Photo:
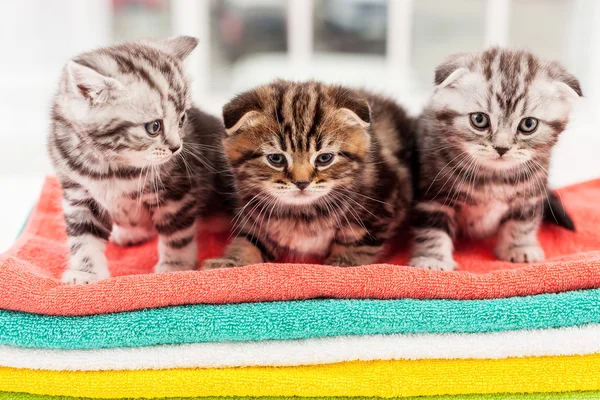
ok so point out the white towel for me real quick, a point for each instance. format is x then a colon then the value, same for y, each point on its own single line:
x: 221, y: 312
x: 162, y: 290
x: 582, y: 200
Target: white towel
x: 548, y: 342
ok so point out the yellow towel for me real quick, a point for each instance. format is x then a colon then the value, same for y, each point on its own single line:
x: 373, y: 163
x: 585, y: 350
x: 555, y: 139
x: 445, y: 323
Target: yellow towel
x: 375, y: 378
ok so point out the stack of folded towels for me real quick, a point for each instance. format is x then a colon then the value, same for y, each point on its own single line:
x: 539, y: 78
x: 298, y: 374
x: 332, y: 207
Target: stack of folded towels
x: 492, y: 330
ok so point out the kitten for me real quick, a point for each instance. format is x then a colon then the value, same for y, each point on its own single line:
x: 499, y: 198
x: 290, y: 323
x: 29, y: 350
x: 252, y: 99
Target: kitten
x: 134, y: 158
x: 322, y: 171
x: 485, y: 140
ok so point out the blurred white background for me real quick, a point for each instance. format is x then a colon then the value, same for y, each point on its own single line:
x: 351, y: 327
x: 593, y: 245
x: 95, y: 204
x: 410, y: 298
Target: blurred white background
x: 387, y: 45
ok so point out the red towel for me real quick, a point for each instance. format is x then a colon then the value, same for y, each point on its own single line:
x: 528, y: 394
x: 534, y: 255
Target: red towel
x: 29, y: 271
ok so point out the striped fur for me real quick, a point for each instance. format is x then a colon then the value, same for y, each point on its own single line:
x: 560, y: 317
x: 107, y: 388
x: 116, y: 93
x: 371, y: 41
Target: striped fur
x: 119, y: 181
x: 491, y: 181
x: 343, y: 210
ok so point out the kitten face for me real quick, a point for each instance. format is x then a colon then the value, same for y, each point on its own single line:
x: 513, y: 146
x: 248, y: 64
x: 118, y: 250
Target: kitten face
x: 501, y: 109
x: 128, y: 103
x: 294, y: 144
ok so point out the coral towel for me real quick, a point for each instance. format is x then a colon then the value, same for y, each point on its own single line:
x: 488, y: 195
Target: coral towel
x: 29, y: 271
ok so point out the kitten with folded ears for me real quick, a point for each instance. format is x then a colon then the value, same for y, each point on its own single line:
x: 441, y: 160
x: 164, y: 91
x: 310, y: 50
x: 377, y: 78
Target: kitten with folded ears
x: 485, y: 141
x: 321, y: 171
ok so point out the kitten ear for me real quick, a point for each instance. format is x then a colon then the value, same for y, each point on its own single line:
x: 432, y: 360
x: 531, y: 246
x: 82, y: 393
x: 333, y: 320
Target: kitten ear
x: 356, y: 108
x: 90, y: 84
x: 360, y: 116
x: 453, y: 77
x: 574, y: 84
x: 570, y: 84
x: 450, y: 70
x: 180, y: 46
x: 240, y: 111
x: 567, y: 82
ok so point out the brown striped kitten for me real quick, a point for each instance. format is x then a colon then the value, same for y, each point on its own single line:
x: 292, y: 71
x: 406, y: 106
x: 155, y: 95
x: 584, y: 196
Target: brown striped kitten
x: 323, y: 172
x: 135, y: 159
x: 485, y: 141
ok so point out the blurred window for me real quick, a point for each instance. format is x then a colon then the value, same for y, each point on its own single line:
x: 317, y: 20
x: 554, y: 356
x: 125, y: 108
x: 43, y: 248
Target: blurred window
x: 351, y: 26
x: 135, y: 19
x: 248, y: 39
x: 441, y: 28
x: 542, y: 26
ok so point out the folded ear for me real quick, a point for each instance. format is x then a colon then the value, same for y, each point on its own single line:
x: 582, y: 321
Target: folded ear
x: 89, y: 84
x: 567, y: 83
x: 241, y: 111
x: 450, y: 70
x: 180, y: 46
x: 573, y: 83
x: 355, y: 107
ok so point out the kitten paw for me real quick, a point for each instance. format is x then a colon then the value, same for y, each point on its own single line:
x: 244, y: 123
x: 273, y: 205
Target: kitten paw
x: 131, y: 236
x: 344, y: 260
x: 173, y: 266
x: 216, y: 263
x: 521, y: 254
x: 76, y: 277
x: 433, y: 263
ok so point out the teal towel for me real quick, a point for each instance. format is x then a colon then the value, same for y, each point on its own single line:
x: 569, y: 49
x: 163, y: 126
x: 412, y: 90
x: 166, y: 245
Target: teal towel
x: 297, y: 320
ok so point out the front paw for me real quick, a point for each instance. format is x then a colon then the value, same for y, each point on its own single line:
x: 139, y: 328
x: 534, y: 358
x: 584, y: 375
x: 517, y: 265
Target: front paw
x: 131, y: 236
x: 433, y: 263
x: 521, y: 254
x: 217, y: 263
x: 174, y: 266
x: 347, y: 260
x: 76, y: 277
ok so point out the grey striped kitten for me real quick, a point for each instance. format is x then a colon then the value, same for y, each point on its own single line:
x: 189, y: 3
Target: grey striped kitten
x: 134, y: 158
x: 485, y: 141
x: 322, y: 171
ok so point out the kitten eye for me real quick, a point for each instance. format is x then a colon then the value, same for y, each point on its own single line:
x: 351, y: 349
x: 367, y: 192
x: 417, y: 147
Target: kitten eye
x: 277, y: 160
x: 479, y: 120
x: 182, y: 120
x: 324, y: 159
x: 528, y: 125
x: 153, y: 128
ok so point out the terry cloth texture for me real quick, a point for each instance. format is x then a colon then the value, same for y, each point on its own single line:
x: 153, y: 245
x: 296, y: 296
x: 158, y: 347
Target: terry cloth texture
x: 357, y: 378
x: 298, y: 320
x: 29, y: 271
x: 545, y: 342
x: 499, y: 396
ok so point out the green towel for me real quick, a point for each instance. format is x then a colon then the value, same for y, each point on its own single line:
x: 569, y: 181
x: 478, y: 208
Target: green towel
x: 297, y: 320
x: 525, y: 396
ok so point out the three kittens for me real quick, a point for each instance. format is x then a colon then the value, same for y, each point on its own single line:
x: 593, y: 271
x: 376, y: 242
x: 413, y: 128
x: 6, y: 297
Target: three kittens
x: 317, y: 170
x: 485, y: 140
x: 134, y: 158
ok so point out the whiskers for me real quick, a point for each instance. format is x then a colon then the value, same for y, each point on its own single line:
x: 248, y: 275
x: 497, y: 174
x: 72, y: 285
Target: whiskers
x: 195, y: 153
x: 261, y: 203
x: 157, y: 183
x: 537, y: 173
x: 150, y: 183
x: 463, y: 156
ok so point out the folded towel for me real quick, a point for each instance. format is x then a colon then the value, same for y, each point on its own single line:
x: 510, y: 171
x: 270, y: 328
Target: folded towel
x: 298, y: 320
x: 357, y: 378
x: 29, y: 271
x: 500, y: 396
x: 545, y: 342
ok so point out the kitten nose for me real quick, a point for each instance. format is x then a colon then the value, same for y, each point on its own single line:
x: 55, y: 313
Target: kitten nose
x: 501, y: 150
x: 174, y: 148
x: 302, y: 184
